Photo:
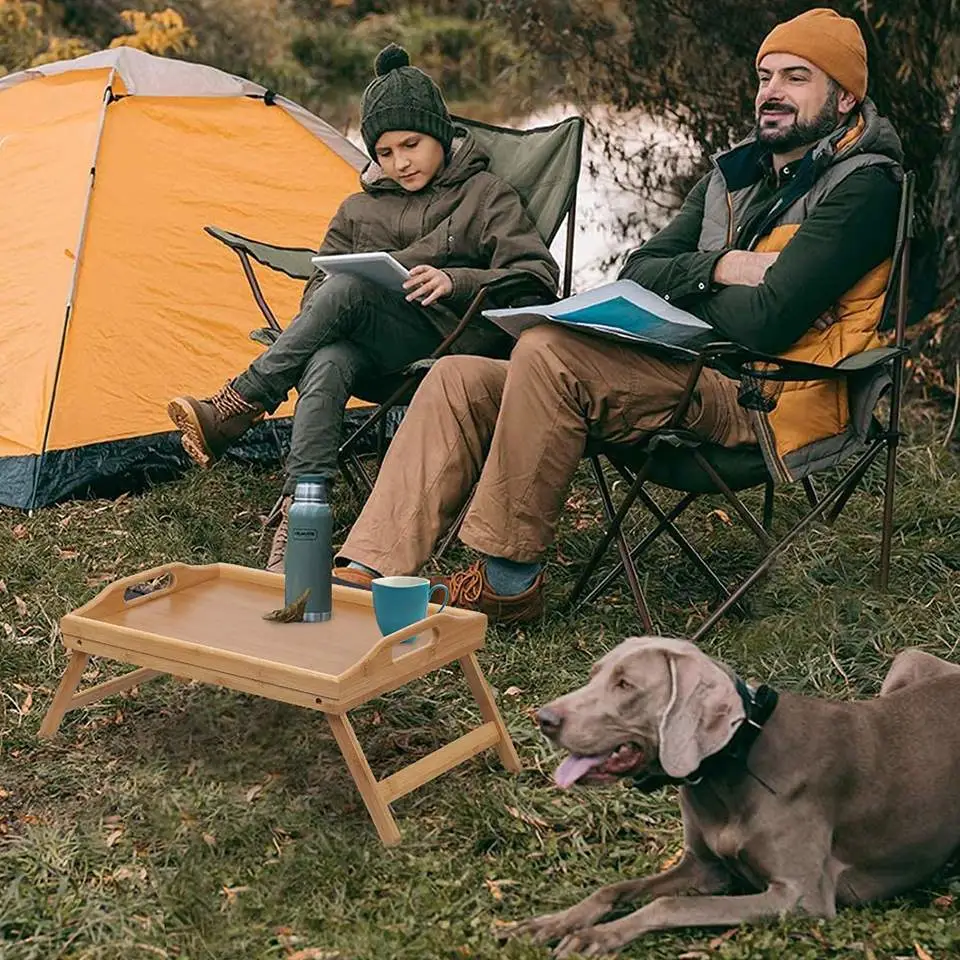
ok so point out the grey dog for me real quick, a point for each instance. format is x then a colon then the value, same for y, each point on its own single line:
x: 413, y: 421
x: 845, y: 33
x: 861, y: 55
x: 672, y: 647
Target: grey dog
x: 805, y: 804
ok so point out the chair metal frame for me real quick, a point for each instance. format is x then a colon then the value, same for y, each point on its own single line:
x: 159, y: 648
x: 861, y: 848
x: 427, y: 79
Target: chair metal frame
x: 735, y: 359
x: 296, y: 263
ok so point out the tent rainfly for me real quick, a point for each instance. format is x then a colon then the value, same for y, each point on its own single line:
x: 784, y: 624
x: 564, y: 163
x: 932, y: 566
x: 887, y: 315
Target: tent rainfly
x: 113, y: 297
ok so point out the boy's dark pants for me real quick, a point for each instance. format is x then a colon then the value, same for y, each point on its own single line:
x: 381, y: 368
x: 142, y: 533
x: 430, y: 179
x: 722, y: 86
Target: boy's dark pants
x: 349, y: 330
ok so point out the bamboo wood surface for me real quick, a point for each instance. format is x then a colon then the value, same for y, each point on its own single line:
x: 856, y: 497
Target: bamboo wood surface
x: 206, y: 623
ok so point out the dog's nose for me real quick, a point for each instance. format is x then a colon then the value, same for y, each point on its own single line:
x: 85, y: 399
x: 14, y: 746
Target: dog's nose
x: 550, y: 720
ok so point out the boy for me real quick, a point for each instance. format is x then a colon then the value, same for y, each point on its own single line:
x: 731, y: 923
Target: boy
x: 428, y: 199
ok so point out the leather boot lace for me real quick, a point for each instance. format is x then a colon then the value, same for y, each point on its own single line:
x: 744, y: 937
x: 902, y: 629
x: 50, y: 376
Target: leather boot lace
x: 466, y: 585
x: 228, y: 402
x: 278, y: 548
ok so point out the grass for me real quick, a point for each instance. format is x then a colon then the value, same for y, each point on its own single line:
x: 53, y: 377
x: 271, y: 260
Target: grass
x: 186, y: 821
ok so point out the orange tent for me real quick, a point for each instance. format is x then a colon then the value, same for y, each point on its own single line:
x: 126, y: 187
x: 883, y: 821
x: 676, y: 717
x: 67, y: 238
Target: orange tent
x: 113, y: 298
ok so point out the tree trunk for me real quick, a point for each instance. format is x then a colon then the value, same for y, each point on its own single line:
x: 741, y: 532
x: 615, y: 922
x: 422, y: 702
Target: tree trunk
x: 947, y: 210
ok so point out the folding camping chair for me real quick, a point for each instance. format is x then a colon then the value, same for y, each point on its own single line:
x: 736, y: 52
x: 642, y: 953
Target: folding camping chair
x: 542, y: 165
x: 680, y: 461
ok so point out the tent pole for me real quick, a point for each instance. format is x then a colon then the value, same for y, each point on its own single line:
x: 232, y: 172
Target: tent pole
x: 74, y: 277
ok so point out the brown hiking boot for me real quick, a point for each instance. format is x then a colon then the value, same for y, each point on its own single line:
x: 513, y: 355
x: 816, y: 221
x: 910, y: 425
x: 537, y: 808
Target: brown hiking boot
x: 470, y: 590
x: 207, y: 427
x: 352, y: 577
x: 278, y: 549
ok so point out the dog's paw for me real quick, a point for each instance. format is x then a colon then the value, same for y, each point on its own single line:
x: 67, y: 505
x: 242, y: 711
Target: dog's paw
x: 543, y: 929
x: 602, y: 941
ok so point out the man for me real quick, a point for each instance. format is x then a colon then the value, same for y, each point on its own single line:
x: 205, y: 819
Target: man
x: 783, y: 247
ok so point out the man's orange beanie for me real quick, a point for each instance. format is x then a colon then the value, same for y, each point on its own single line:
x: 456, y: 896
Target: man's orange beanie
x: 829, y: 41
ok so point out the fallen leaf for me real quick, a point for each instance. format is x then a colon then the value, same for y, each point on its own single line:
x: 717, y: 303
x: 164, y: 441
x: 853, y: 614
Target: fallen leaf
x: 114, y: 836
x: 693, y: 955
x: 717, y: 942
x: 671, y: 861
x: 253, y: 792
x: 527, y: 818
x: 314, y: 953
x: 3, y: 586
x: 494, y: 887
x: 921, y: 953
x: 721, y: 515
x: 292, y: 612
x: 126, y: 873
x: 21, y: 605
x: 209, y: 839
x: 817, y: 935
x: 68, y: 554
x: 24, y: 707
x: 4, y: 794
x: 512, y: 692
x: 20, y: 531
x: 231, y: 893
x: 945, y: 902
x: 8, y: 630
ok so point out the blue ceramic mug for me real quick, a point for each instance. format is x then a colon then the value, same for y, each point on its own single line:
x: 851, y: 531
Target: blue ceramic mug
x: 400, y: 601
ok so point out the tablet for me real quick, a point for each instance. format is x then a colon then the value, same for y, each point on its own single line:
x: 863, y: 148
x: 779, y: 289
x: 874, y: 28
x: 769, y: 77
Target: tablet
x: 379, y: 267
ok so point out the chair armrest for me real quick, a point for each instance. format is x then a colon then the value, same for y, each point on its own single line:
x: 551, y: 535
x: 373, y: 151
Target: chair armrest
x: 737, y: 361
x: 295, y: 262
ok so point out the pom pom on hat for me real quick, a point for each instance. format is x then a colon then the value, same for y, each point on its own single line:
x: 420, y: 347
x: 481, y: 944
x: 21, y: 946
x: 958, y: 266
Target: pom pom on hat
x: 391, y: 57
x: 402, y: 97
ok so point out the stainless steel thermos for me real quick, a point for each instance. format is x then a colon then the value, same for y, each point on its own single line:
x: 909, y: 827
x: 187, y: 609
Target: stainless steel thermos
x: 308, y: 559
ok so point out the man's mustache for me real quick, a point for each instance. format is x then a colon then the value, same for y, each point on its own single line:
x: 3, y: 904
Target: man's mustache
x: 773, y: 106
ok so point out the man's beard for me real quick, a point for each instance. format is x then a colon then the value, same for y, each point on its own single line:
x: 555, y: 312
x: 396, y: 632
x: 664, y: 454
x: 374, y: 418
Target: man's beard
x: 802, y: 132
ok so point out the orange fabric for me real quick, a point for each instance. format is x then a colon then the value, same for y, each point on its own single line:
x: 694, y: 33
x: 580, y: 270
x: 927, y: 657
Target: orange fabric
x: 816, y: 409
x: 162, y: 308
x: 48, y: 130
x: 827, y: 40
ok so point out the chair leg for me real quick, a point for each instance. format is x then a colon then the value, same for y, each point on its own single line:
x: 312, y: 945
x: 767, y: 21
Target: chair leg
x: 675, y: 511
x: 626, y: 560
x: 451, y: 534
x: 822, y: 506
x: 837, y: 508
x: 684, y: 544
x: 738, y: 505
x: 810, y: 490
x: 768, y: 505
x: 888, y: 499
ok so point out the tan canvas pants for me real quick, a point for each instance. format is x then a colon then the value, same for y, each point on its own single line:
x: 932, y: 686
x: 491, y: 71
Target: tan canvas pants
x: 517, y: 429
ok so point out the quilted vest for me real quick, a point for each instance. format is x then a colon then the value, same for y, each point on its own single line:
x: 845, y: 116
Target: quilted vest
x: 810, y: 426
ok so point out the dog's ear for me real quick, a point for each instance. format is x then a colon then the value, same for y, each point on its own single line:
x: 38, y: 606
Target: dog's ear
x: 702, y: 712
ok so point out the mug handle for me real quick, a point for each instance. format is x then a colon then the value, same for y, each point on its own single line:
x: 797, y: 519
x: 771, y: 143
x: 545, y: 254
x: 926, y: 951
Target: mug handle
x: 446, y: 594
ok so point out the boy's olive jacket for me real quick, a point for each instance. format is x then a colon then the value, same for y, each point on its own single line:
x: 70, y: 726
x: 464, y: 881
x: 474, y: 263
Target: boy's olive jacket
x: 468, y: 222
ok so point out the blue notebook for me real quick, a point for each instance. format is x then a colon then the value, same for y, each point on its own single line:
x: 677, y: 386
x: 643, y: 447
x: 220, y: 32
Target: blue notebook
x: 622, y: 310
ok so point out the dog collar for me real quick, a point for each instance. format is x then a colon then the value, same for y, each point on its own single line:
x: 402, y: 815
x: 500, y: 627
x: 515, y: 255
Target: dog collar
x: 758, y: 707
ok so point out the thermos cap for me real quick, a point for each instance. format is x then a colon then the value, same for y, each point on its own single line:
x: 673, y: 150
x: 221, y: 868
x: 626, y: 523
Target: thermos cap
x: 312, y: 488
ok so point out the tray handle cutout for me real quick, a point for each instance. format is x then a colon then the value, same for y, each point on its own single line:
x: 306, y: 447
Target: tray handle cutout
x: 381, y: 657
x: 147, y: 585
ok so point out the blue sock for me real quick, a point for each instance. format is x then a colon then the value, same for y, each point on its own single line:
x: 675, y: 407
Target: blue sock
x: 353, y: 565
x: 507, y: 578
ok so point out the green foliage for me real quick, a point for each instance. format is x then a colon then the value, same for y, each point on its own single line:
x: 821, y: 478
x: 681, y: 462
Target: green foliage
x: 184, y: 820
x: 21, y: 34
x: 691, y: 64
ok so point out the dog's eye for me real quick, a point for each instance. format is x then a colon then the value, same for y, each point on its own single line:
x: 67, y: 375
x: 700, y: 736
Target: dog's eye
x: 622, y: 683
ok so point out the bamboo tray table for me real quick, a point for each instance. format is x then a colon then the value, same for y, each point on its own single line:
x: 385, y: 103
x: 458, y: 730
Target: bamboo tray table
x: 206, y: 623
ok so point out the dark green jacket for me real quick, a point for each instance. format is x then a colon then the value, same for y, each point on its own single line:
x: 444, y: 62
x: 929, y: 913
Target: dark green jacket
x: 847, y: 234
x: 468, y: 222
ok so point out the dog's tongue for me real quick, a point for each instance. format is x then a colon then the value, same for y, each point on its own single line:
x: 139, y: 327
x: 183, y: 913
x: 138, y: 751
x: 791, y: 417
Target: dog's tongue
x: 574, y: 767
